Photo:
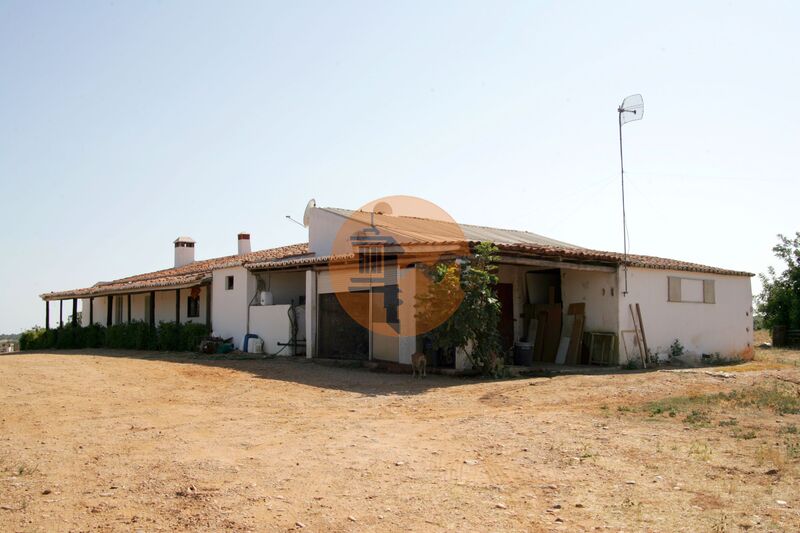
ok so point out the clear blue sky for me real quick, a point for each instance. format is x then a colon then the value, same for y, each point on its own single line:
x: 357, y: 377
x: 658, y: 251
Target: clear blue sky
x: 126, y: 124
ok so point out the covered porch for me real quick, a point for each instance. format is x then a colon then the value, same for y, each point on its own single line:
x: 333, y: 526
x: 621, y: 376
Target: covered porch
x: 557, y: 313
x: 180, y: 302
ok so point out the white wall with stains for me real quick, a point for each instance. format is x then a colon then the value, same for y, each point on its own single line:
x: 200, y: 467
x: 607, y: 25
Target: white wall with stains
x: 724, y: 327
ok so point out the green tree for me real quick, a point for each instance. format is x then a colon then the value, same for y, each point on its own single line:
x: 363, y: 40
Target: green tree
x: 464, y: 291
x: 779, y: 301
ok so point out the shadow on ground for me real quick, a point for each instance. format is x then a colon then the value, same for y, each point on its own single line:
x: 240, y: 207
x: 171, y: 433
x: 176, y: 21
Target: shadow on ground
x: 344, y: 375
x: 351, y: 377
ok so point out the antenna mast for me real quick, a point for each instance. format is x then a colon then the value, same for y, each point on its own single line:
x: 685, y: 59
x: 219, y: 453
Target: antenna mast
x: 632, y: 108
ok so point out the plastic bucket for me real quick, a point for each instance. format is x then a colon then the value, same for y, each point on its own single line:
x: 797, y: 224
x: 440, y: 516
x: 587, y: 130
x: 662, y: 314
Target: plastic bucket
x: 523, y: 354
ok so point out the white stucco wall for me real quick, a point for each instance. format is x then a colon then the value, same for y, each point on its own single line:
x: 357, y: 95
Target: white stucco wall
x: 84, y: 304
x: 139, y: 307
x: 407, y: 342
x: 98, y: 310
x: 598, y: 290
x: 165, y: 307
x: 284, y: 286
x: 201, y: 319
x: 229, y: 307
x: 311, y: 313
x: 322, y: 228
x: 725, y: 326
x: 271, y: 323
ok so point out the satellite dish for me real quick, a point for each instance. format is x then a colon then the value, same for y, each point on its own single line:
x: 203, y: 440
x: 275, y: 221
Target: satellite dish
x: 632, y: 108
x: 307, y: 213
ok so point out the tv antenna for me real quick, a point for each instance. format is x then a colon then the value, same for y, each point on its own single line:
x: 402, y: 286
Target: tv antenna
x: 289, y: 217
x: 631, y: 108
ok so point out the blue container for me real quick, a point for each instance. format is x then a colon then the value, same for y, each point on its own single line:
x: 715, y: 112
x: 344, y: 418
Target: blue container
x: 246, y: 341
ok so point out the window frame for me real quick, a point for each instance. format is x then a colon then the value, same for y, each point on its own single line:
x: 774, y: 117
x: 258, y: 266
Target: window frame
x: 192, y: 307
x: 675, y: 290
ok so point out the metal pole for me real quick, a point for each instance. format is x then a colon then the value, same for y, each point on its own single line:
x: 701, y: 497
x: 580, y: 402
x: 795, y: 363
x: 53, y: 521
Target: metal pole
x: 624, y: 223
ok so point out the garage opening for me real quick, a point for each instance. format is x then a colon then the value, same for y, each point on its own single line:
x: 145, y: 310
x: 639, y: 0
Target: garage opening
x: 340, y: 335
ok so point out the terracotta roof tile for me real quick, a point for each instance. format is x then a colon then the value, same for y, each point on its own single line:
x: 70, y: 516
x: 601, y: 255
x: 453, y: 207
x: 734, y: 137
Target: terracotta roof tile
x: 560, y: 253
x: 616, y: 258
x: 192, y: 273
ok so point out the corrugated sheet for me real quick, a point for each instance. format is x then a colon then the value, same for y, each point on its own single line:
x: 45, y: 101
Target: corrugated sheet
x: 425, y: 229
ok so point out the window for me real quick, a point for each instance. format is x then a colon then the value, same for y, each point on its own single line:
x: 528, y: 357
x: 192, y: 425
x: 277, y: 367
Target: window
x: 192, y: 307
x: 690, y: 290
x: 118, y: 310
x: 228, y: 283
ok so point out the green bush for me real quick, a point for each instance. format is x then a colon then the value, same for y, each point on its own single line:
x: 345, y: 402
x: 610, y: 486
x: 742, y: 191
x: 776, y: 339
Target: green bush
x: 191, y: 335
x: 169, y: 336
x: 137, y: 335
x: 37, y: 339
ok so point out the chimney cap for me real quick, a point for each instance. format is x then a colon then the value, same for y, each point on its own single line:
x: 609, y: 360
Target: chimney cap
x: 183, y: 241
x: 243, y: 236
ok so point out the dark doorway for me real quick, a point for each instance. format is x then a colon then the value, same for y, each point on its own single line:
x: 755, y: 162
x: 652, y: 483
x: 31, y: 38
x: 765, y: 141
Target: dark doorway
x: 340, y: 336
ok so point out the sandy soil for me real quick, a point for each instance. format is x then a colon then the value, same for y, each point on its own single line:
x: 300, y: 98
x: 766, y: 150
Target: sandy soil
x: 102, y: 441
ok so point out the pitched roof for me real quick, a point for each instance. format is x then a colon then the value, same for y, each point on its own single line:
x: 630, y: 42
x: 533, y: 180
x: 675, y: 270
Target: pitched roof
x: 191, y: 274
x: 426, y: 229
x: 616, y: 258
x: 421, y: 231
x: 418, y: 231
x: 551, y: 253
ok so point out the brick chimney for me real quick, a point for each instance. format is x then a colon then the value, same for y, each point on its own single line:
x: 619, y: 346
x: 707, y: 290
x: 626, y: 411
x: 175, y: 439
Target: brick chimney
x: 184, y: 251
x: 244, y: 243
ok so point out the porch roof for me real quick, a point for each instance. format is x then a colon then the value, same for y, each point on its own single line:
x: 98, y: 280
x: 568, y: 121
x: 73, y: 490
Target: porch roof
x: 196, y: 273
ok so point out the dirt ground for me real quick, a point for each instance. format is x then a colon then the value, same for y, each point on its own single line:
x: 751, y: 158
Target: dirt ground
x: 122, y: 441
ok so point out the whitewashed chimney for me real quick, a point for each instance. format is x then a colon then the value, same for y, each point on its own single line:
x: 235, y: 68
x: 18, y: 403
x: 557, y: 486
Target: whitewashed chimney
x: 184, y: 251
x: 244, y: 243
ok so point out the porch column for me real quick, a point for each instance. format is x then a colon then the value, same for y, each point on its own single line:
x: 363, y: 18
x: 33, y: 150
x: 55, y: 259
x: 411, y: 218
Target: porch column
x: 91, y: 310
x: 129, y: 308
x: 109, y: 305
x: 407, y: 340
x: 74, y: 311
x: 61, y: 313
x: 152, y: 309
x: 177, y: 306
x: 311, y: 313
x: 208, y: 309
x: 47, y: 314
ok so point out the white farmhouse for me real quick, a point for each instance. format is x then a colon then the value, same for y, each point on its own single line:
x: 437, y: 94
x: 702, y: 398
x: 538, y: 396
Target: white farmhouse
x: 335, y: 298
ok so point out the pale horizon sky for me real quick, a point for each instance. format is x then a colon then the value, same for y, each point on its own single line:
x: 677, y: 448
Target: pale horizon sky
x: 126, y: 124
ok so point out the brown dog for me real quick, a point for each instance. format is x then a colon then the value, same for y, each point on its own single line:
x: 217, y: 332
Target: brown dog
x: 419, y: 364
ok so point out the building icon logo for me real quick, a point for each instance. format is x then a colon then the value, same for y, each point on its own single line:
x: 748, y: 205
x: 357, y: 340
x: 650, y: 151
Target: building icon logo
x: 382, y: 260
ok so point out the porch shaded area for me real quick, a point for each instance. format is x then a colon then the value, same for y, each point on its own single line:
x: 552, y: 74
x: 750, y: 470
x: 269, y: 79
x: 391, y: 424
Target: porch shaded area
x: 180, y: 302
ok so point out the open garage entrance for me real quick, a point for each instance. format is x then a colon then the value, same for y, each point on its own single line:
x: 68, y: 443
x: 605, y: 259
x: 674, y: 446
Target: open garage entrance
x: 340, y: 336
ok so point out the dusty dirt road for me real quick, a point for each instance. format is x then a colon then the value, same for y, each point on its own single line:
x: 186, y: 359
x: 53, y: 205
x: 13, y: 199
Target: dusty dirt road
x: 98, y: 441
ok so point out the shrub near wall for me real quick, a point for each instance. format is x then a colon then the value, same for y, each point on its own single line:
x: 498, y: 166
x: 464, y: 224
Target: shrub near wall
x: 137, y: 335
